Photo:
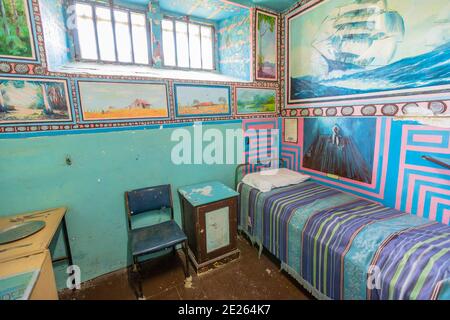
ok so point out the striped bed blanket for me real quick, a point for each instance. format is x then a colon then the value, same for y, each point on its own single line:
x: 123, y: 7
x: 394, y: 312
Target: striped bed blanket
x: 340, y: 246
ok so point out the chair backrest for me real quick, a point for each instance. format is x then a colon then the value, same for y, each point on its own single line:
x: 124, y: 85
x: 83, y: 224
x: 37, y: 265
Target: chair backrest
x: 149, y: 199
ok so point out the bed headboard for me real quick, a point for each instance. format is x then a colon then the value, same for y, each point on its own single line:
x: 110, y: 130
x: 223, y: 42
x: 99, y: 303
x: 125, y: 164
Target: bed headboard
x: 247, y: 168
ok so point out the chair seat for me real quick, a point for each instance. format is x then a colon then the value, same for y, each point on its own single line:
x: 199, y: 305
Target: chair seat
x: 155, y: 238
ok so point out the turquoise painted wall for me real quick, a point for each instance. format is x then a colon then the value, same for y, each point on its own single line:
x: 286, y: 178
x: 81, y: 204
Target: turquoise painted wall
x: 34, y: 175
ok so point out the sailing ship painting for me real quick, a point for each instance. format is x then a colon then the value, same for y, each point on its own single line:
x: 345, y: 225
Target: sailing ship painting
x: 33, y: 100
x: 366, y: 47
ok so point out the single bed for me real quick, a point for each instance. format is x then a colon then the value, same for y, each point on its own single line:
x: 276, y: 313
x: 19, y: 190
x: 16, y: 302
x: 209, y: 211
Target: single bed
x: 339, y: 246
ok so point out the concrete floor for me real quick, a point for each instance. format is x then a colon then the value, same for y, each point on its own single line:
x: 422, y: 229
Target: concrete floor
x: 247, y: 278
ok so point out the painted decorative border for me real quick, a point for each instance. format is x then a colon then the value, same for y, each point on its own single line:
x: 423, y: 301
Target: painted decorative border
x: 80, y: 106
x: 421, y: 184
x: 187, y: 85
x: 439, y: 108
x: 257, y: 12
x: 68, y: 97
x: 277, y: 102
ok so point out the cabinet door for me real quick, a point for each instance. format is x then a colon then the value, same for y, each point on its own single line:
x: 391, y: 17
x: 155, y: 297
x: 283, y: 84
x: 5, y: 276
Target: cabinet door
x: 218, y: 224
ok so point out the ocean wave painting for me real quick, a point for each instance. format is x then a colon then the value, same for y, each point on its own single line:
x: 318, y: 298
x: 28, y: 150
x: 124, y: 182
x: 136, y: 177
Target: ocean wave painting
x: 366, y: 47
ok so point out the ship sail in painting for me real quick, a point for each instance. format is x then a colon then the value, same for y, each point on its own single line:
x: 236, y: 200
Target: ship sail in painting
x: 368, y: 47
x: 362, y: 34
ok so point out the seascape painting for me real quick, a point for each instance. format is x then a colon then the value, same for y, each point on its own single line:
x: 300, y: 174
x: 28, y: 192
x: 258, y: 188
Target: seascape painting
x: 122, y: 101
x: 266, y: 48
x: 16, y: 39
x: 33, y: 100
x: 343, y: 147
x: 363, y: 48
x: 252, y: 100
x: 200, y: 100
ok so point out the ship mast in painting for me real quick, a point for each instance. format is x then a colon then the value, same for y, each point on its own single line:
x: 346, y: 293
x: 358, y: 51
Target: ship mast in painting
x: 364, y: 34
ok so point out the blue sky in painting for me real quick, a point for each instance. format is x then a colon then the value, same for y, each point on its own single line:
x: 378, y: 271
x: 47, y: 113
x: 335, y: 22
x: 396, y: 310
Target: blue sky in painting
x: 96, y: 96
x: 187, y: 94
x: 267, y: 43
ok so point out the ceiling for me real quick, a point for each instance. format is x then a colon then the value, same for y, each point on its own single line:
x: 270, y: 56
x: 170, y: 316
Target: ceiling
x: 213, y: 9
x: 277, y: 5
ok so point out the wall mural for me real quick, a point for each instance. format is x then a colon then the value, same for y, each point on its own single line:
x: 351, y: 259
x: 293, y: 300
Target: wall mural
x: 119, y: 100
x: 343, y: 147
x: 266, y: 49
x: 16, y: 37
x: 201, y: 100
x: 234, y: 46
x: 402, y: 177
x: 255, y: 100
x: 33, y: 100
x: 365, y: 47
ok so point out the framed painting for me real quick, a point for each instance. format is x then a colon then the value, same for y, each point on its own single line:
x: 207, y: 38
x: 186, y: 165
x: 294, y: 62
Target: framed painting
x: 202, y: 100
x: 100, y: 100
x: 343, y: 147
x: 16, y: 34
x: 347, y: 49
x: 255, y: 100
x: 266, y: 46
x: 291, y: 130
x: 32, y: 100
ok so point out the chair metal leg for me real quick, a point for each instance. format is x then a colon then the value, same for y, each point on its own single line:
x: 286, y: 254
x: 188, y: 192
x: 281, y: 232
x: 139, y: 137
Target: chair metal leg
x: 136, y: 270
x: 186, y: 271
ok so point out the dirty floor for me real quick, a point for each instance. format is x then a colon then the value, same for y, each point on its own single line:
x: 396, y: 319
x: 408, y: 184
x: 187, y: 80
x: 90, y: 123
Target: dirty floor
x: 247, y: 278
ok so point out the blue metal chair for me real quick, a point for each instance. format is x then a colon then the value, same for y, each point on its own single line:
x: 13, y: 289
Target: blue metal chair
x: 151, y: 239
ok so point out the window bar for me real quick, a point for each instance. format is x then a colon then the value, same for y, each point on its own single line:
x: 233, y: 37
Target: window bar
x: 148, y: 29
x: 113, y: 22
x: 174, y: 31
x: 201, y: 46
x: 75, y: 36
x: 213, y: 47
x: 130, y: 29
x: 188, y: 23
x: 94, y: 16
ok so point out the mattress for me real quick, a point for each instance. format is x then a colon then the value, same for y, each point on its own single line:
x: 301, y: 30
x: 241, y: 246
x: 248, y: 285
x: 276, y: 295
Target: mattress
x: 340, y: 246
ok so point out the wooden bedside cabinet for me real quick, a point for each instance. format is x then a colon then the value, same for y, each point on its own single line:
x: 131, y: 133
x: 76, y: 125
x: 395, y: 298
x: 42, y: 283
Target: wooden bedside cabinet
x: 210, y: 223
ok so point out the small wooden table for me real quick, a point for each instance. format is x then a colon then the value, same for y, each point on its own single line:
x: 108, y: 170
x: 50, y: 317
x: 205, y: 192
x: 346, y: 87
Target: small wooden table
x: 45, y: 287
x: 33, y: 250
x: 210, y: 223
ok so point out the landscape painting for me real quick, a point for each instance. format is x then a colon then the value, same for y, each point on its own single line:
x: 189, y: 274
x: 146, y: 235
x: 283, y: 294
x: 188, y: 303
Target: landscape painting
x: 33, y: 100
x: 367, y: 48
x: 343, y: 147
x: 16, y: 40
x: 122, y: 101
x: 252, y: 100
x: 266, y: 46
x: 200, y: 100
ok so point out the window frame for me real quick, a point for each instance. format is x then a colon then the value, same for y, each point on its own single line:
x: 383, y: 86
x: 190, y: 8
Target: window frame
x: 94, y: 4
x: 200, y: 24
